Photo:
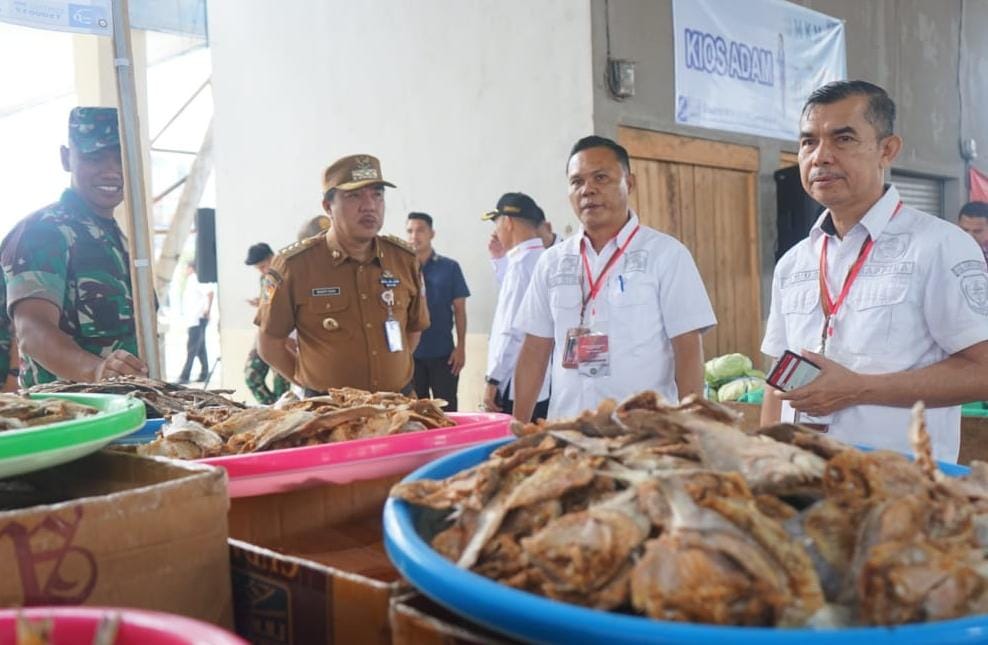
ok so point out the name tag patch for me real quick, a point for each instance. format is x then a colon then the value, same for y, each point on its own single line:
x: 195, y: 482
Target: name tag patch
x: 895, y: 268
x: 800, y: 276
x: 326, y: 291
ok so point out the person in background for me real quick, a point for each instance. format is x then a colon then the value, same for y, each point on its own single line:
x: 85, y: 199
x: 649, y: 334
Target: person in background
x: 314, y: 226
x: 437, y: 360
x: 256, y: 370
x: 67, y: 267
x: 890, y: 302
x: 517, y: 220
x: 973, y: 218
x: 622, y: 304
x: 497, y: 251
x: 197, y: 303
x: 356, y: 298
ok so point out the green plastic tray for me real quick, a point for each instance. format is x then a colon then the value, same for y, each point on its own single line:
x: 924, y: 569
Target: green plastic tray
x: 31, y: 449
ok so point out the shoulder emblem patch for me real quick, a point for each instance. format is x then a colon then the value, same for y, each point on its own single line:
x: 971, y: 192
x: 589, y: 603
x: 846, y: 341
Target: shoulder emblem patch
x: 400, y: 243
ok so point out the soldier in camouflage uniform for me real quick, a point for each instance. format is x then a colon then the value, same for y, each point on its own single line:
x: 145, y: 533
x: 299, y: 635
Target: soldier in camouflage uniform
x: 67, y: 268
x: 8, y: 345
x: 256, y: 370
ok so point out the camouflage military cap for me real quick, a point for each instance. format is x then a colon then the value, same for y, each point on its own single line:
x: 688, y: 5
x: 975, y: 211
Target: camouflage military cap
x: 353, y: 172
x: 93, y: 128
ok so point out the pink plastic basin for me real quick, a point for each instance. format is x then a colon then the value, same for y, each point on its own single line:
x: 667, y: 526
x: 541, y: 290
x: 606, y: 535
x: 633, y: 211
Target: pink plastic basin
x: 276, y: 471
x: 77, y: 626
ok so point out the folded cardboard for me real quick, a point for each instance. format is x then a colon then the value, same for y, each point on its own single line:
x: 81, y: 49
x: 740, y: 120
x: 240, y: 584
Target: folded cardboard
x: 417, y: 620
x: 115, y: 529
x: 309, y: 565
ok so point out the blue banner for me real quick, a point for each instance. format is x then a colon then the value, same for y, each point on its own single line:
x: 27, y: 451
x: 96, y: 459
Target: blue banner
x: 749, y: 66
x: 184, y: 17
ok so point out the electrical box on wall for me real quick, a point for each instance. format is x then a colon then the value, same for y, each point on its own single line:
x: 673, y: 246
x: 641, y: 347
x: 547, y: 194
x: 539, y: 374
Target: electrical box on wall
x: 621, y: 77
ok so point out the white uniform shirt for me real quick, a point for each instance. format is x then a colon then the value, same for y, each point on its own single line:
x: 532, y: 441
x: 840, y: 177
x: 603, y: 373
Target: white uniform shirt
x: 921, y: 296
x: 505, y: 341
x: 652, y: 294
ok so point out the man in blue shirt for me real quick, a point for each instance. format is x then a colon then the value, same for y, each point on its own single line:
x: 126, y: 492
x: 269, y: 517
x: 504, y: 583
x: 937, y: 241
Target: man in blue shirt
x: 437, y: 361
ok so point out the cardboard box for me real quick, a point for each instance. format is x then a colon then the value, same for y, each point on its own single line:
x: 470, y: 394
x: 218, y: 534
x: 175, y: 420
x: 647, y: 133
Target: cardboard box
x: 417, y: 620
x: 118, y: 530
x: 309, y: 565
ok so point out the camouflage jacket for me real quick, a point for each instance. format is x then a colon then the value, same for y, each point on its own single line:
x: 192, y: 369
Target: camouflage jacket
x: 77, y: 260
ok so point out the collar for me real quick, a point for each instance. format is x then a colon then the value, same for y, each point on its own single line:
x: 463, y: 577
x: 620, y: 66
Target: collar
x: 338, y: 254
x: 520, y: 250
x: 76, y: 207
x: 619, y: 239
x: 874, y: 221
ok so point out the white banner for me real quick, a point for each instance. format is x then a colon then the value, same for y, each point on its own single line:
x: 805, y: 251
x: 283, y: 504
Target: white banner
x: 80, y: 16
x: 749, y: 66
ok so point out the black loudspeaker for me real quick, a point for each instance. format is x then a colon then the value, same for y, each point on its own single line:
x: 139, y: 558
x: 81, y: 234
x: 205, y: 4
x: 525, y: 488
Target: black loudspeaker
x: 206, y: 244
x: 796, y: 211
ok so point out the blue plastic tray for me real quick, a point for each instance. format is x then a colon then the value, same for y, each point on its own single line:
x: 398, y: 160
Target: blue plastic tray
x: 144, y: 434
x: 529, y: 617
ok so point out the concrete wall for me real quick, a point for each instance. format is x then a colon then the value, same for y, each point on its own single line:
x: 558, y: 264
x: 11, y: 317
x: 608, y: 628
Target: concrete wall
x: 462, y: 101
x: 910, y: 47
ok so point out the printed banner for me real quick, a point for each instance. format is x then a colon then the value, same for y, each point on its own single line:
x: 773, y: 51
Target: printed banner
x: 749, y: 66
x: 81, y: 16
x: 183, y: 17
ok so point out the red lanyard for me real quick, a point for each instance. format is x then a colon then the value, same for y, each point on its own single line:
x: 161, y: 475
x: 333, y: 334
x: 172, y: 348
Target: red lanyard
x: 595, y: 285
x: 829, y: 305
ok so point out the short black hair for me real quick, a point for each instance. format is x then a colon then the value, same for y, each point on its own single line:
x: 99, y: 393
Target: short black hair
x: 975, y: 209
x: 258, y: 253
x: 425, y: 217
x: 594, y: 141
x: 881, y: 108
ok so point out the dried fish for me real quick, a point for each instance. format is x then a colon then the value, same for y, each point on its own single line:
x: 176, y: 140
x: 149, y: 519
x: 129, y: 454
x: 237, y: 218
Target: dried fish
x: 674, y: 512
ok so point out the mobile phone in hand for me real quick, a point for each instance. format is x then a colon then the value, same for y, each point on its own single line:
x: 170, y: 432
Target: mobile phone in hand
x: 791, y: 372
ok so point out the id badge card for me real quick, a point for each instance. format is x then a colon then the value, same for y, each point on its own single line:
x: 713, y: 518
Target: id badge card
x: 392, y: 331
x: 593, y: 355
x: 573, y: 335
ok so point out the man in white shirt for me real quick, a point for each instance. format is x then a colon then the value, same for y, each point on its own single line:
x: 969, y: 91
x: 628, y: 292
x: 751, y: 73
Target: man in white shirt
x: 517, y: 220
x: 623, y: 304
x: 890, y: 302
x: 499, y: 261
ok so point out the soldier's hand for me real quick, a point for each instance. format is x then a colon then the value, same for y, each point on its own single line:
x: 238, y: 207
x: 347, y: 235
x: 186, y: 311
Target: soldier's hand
x: 456, y: 361
x: 121, y: 363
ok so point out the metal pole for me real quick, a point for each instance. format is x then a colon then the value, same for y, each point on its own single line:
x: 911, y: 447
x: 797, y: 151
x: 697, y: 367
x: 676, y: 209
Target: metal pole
x: 141, y: 280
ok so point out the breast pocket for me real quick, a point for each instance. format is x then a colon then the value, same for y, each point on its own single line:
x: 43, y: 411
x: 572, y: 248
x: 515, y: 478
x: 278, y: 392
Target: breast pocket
x: 872, y: 303
x: 564, y: 296
x: 103, y: 308
x: 330, y: 314
x: 800, y: 308
x: 632, y: 291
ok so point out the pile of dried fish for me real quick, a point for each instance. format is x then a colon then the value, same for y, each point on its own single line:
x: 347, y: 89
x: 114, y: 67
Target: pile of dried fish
x: 19, y: 412
x: 161, y: 399
x: 675, y: 513
x: 340, y: 415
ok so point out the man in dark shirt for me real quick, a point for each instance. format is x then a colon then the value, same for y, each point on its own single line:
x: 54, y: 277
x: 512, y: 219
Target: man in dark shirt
x: 973, y: 219
x: 437, y: 361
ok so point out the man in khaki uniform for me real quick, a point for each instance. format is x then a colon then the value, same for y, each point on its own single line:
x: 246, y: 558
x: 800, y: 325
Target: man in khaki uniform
x: 355, y: 297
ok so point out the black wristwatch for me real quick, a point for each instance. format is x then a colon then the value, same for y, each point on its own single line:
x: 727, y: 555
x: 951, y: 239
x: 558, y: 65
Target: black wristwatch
x: 491, y: 381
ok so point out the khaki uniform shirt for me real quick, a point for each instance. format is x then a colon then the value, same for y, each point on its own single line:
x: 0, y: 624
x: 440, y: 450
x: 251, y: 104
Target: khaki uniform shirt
x: 335, y: 303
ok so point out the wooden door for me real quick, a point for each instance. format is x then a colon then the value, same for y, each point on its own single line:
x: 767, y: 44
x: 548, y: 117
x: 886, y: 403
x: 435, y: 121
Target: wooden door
x: 704, y: 194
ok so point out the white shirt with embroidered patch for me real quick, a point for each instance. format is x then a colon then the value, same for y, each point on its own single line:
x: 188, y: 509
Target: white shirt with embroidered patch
x: 921, y: 295
x: 505, y: 340
x: 651, y: 295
